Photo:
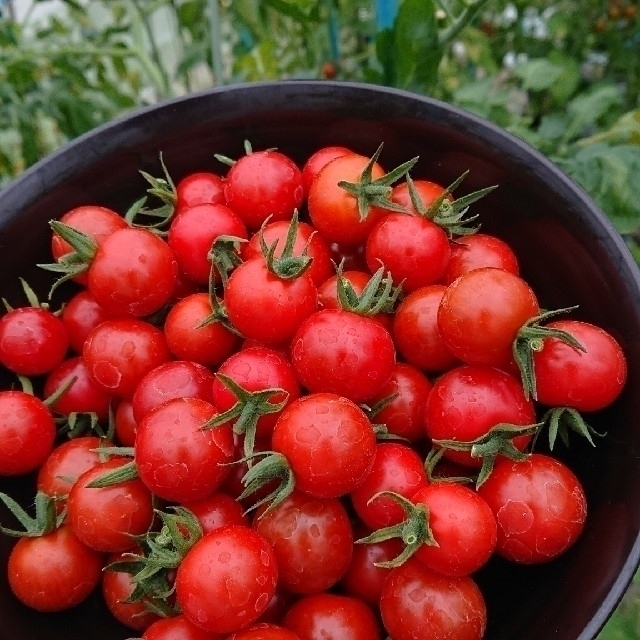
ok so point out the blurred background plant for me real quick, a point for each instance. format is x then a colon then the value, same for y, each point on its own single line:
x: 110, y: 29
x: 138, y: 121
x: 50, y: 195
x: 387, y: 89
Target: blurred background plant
x: 564, y: 75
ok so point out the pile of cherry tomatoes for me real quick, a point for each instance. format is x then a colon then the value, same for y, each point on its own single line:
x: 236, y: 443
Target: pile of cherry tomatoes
x: 294, y: 403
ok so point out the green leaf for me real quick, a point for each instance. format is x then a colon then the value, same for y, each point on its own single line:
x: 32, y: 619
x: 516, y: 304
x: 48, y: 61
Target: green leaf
x: 538, y: 74
x: 609, y: 174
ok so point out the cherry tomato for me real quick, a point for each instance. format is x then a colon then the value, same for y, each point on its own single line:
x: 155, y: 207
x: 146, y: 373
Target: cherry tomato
x: 476, y: 251
x: 312, y: 540
x: 480, y: 314
x: 332, y: 616
x: 264, y: 631
x: 226, y: 579
x: 27, y: 432
x: 107, y: 518
x: 342, y: 352
x: 428, y: 192
x: 587, y: 380
x: 119, y: 352
x: 217, y: 510
x: 53, y: 572
x: 176, y: 628
x: 417, y: 602
x: 134, y: 272
x: 33, y: 341
x: 80, y: 315
x: 264, y: 184
x: 467, y: 401
x: 539, y: 505
x: 317, y: 160
x: 176, y: 458
x: 199, y: 187
x: 319, y: 427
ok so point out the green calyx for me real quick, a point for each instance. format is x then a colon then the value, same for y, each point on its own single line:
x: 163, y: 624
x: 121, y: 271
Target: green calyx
x: 161, y: 552
x: 530, y: 338
x: 414, y: 530
x: 273, y: 466
x: 45, y: 520
x: 250, y: 406
x: 370, y: 192
x: 450, y: 215
x: 224, y: 256
x: 287, y: 265
x: 378, y: 296
x: 497, y: 441
x: 562, y: 421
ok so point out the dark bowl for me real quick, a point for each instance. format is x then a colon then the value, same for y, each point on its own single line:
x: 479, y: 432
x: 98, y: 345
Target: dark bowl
x: 568, y: 250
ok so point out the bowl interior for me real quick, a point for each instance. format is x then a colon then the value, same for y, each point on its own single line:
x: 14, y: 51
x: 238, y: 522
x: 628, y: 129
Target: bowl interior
x: 567, y: 249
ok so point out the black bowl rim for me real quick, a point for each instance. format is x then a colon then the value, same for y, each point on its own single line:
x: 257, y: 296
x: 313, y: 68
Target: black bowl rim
x: 61, y: 163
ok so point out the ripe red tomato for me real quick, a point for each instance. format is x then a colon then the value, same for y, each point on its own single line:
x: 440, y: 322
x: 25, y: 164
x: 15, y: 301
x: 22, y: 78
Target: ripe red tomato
x: 476, y: 251
x: 217, y: 510
x: 176, y: 458
x: 334, y: 211
x: 264, y: 631
x: 190, y: 337
x: 253, y: 291
x: 413, y: 249
x: 27, y: 432
x: 107, y: 518
x: 304, y: 532
x: 462, y: 525
x: 193, y: 232
x: 264, y: 184
x: 53, y: 572
x: 539, y: 505
x: 417, y: 602
x: 133, y: 272
x: 33, y: 341
x: 176, y: 628
x: 199, y: 187
x: 467, y: 401
x: 345, y: 353
x: 80, y: 315
x: 317, y: 160
x: 480, y: 314
x: 428, y: 192
x: 330, y: 615
x: 396, y: 467
x: 587, y: 380
x: 415, y: 330
x: 119, y: 352
x: 319, y: 427
x: 226, y: 579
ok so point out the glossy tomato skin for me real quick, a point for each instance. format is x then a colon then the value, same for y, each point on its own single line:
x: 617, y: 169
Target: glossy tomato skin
x: 124, y: 423
x: 540, y: 507
x: 586, y: 381
x: 476, y: 251
x: 33, y: 341
x: 413, y: 249
x: 107, y: 518
x: 227, y: 579
x: 217, y: 510
x: 176, y: 628
x: 264, y: 184
x: 193, y: 232
x: 199, y: 187
x: 173, y: 379
x: 342, y: 352
x: 176, y: 458
x: 319, y: 159
x: 188, y: 339
x: 319, y: 427
x: 257, y: 369
x: 418, y: 603
x: 83, y: 396
x: 27, y: 432
x: 53, y: 572
x: 463, y: 527
x: 264, y: 631
x: 253, y: 291
x: 119, y: 352
x: 397, y: 468
x: 312, y: 539
x: 480, y: 314
x: 415, y: 330
x: 427, y: 191
x: 333, y: 211
x: 306, y: 240
x: 80, y: 315
x: 67, y: 462
x: 467, y: 401
x: 403, y: 416
x: 133, y: 272
x: 329, y: 615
